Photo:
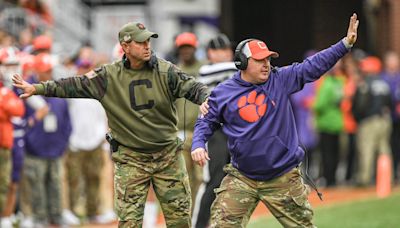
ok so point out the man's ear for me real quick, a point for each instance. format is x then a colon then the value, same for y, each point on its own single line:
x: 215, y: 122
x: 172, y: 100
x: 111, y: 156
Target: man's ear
x: 124, y: 46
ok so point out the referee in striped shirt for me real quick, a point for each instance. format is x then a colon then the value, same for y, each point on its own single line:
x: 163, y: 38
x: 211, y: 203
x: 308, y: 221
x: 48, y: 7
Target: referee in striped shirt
x: 220, y: 68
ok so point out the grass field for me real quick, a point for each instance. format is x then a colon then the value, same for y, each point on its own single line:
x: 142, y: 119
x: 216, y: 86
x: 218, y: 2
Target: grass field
x: 371, y: 213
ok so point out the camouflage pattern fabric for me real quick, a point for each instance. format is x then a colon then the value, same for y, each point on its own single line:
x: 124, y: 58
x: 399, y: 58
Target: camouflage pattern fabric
x: 285, y: 196
x: 166, y: 171
x: 5, y: 175
x: 44, y: 180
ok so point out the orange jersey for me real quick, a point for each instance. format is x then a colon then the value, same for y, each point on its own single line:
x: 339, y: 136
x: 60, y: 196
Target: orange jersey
x: 10, y: 105
x: 350, y: 124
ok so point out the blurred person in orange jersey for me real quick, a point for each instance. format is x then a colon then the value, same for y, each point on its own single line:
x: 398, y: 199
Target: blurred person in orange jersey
x: 371, y: 109
x: 11, y: 63
x: 10, y: 106
x: 352, y: 76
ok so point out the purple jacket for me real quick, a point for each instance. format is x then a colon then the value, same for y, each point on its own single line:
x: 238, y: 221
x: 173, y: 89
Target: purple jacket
x: 394, y: 84
x: 48, y: 138
x: 258, y: 119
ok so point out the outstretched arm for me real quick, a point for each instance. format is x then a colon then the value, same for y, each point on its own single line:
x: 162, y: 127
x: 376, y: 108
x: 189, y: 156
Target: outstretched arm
x: 296, y: 75
x: 91, y: 85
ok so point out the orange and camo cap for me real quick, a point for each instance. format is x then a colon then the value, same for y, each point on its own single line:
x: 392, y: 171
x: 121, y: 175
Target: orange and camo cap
x: 258, y: 50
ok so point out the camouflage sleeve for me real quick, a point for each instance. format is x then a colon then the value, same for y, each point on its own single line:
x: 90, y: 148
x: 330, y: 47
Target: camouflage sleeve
x: 91, y: 85
x: 183, y: 85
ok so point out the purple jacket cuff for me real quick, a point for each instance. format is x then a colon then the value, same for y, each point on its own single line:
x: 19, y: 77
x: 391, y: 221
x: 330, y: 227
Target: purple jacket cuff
x: 196, y: 145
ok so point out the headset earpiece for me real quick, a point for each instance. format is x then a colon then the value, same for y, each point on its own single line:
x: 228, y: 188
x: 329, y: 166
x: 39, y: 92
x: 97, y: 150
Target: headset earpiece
x: 152, y: 63
x: 240, y: 59
x: 126, y: 62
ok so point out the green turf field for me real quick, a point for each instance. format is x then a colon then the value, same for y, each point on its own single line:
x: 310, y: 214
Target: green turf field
x: 372, y: 213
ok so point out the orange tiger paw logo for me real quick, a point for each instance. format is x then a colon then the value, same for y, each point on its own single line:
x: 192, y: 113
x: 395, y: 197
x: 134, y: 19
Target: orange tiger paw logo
x: 252, y: 107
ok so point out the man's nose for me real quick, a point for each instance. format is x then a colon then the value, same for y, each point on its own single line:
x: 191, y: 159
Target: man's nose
x: 146, y: 44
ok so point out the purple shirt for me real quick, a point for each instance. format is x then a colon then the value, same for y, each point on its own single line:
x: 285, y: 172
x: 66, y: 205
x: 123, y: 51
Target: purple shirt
x: 49, y: 137
x: 258, y: 119
x: 393, y: 81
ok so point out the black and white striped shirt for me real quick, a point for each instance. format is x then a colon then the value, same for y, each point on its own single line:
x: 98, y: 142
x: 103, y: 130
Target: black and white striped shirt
x: 213, y: 74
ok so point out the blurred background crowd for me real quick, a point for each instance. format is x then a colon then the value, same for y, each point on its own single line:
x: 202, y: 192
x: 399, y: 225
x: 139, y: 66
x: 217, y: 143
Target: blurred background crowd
x: 61, y: 172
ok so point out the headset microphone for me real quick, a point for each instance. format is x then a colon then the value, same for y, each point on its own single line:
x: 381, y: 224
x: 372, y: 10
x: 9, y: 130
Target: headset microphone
x: 274, y: 69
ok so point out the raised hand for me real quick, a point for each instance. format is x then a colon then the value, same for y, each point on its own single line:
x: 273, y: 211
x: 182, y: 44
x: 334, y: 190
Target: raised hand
x: 352, y: 30
x: 20, y: 83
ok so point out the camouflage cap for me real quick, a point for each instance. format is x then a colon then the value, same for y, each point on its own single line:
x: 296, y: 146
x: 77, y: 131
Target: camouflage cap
x: 135, y: 31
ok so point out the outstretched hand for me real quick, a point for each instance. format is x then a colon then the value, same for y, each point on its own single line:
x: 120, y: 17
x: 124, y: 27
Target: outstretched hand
x: 352, y: 30
x: 20, y: 83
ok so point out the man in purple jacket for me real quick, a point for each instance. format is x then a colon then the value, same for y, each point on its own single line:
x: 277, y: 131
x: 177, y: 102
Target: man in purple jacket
x: 257, y: 117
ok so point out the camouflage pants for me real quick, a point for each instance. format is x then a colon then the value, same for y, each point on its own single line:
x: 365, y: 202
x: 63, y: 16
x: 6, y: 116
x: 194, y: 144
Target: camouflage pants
x: 84, y: 167
x: 166, y: 171
x: 5, y: 175
x: 237, y: 197
x: 44, y: 179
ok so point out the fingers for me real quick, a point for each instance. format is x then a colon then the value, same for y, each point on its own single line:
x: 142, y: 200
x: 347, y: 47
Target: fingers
x: 206, y: 104
x: 201, y: 163
x: 200, y: 157
x: 354, y: 22
x: 16, y: 79
x: 16, y: 84
x: 24, y: 96
x: 207, y: 157
x: 352, y: 30
x: 356, y: 25
x: 204, y: 108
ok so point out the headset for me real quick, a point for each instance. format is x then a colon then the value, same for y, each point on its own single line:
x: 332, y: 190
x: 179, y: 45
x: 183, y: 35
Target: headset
x: 240, y: 58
